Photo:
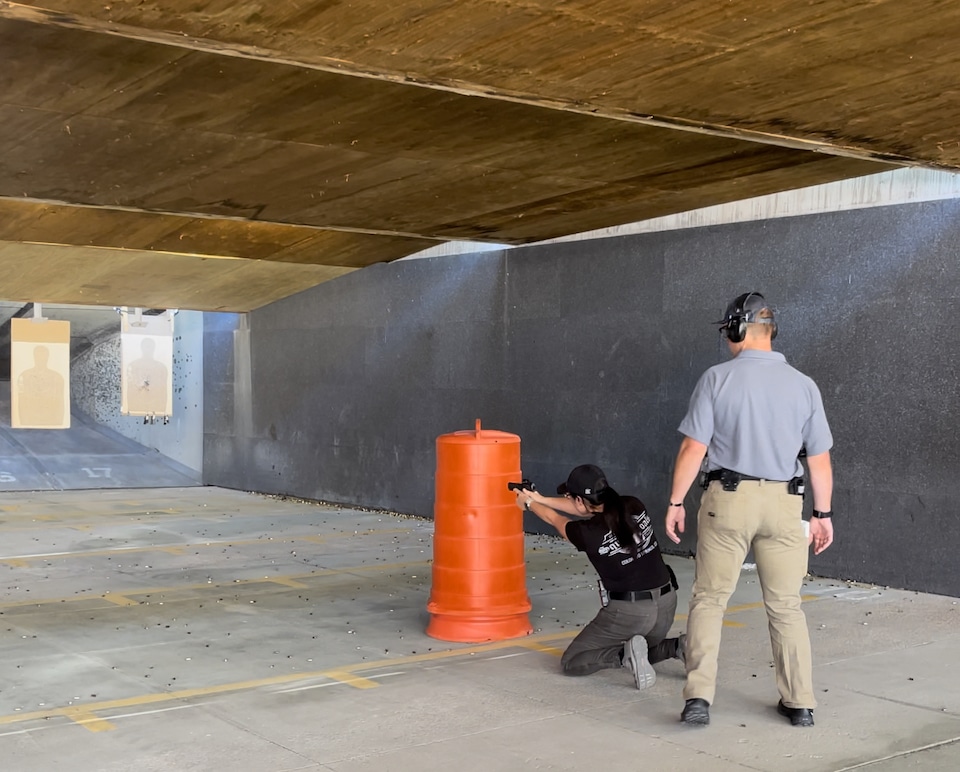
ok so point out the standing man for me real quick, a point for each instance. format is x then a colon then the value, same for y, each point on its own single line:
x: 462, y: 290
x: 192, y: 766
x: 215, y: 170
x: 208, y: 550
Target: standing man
x: 752, y: 417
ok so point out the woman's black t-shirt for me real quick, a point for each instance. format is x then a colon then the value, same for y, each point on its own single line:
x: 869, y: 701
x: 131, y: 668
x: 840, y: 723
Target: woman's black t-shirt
x: 618, y: 569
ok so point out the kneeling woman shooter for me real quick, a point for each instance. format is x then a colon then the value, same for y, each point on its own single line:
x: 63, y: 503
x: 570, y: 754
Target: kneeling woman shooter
x: 617, y: 536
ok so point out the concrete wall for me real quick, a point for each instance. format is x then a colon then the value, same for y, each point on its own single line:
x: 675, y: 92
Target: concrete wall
x: 95, y: 388
x: 589, y: 350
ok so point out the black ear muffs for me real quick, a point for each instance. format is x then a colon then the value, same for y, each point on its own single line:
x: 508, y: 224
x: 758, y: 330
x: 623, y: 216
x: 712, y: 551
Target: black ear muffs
x: 736, y: 329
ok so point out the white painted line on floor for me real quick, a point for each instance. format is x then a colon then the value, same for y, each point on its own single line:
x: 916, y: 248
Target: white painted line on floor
x: 74, y: 722
x: 151, y: 712
x: 901, y: 754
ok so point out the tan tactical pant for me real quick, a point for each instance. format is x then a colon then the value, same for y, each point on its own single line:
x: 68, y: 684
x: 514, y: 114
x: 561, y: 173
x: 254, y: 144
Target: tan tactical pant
x: 763, y: 516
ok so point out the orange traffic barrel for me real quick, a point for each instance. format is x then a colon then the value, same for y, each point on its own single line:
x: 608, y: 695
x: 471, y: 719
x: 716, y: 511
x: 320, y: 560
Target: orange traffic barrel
x: 479, y: 590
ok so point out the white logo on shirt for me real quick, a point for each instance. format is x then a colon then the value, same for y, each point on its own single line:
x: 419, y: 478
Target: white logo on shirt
x: 645, y: 541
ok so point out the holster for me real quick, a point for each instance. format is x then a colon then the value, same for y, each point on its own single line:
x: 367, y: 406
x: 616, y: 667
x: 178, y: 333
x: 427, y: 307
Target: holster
x: 729, y: 479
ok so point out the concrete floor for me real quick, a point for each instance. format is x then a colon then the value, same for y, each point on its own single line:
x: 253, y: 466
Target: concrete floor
x: 88, y: 455
x: 204, y: 629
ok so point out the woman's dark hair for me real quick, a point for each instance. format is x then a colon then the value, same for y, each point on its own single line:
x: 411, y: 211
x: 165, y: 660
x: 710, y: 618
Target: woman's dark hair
x: 615, y: 516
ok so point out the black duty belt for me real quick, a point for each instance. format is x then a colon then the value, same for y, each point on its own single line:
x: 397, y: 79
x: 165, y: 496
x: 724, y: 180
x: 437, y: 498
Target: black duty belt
x: 718, y: 474
x: 730, y: 480
x: 641, y: 594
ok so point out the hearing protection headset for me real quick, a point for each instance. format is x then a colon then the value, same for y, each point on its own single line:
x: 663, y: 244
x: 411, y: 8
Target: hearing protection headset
x: 743, y: 311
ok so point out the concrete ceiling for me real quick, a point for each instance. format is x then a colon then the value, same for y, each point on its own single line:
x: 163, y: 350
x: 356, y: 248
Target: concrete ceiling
x: 224, y: 154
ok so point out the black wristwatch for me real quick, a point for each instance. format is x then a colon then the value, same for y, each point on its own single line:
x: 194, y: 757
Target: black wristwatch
x: 820, y: 515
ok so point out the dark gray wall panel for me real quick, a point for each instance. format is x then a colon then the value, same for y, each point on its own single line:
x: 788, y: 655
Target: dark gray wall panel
x: 218, y: 377
x: 348, y: 399
x: 905, y: 539
x: 589, y: 351
x: 581, y: 374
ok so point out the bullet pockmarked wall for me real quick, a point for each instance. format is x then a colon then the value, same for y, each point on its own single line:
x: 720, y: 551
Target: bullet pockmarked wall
x: 589, y: 351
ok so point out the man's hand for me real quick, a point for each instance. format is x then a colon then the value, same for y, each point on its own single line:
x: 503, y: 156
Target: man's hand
x: 674, y: 523
x: 685, y: 471
x: 821, y: 532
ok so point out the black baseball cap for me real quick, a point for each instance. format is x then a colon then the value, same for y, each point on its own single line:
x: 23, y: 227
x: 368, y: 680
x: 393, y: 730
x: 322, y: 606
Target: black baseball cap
x: 585, y: 480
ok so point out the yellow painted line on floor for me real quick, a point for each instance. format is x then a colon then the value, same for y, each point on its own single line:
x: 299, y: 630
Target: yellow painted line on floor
x: 748, y: 607
x: 177, y: 549
x: 292, y: 583
x: 141, y: 504
x: 534, y: 646
x: 289, y: 580
x: 88, y: 720
x: 63, y: 517
x: 25, y: 518
x: 86, y: 715
x: 469, y: 651
x: 118, y: 599
x: 350, y: 680
x: 320, y: 539
x: 90, y: 710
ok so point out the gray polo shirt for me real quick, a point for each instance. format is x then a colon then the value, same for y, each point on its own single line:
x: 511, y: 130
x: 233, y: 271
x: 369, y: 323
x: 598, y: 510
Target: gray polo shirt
x: 754, y: 413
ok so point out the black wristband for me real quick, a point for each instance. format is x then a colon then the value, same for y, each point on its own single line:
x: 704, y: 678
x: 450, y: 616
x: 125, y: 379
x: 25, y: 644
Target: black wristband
x: 820, y: 515
x: 676, y: 505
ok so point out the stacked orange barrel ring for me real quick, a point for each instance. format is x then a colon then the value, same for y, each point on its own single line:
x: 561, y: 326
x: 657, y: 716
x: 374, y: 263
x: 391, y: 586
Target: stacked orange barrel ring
x: 479, y: 590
